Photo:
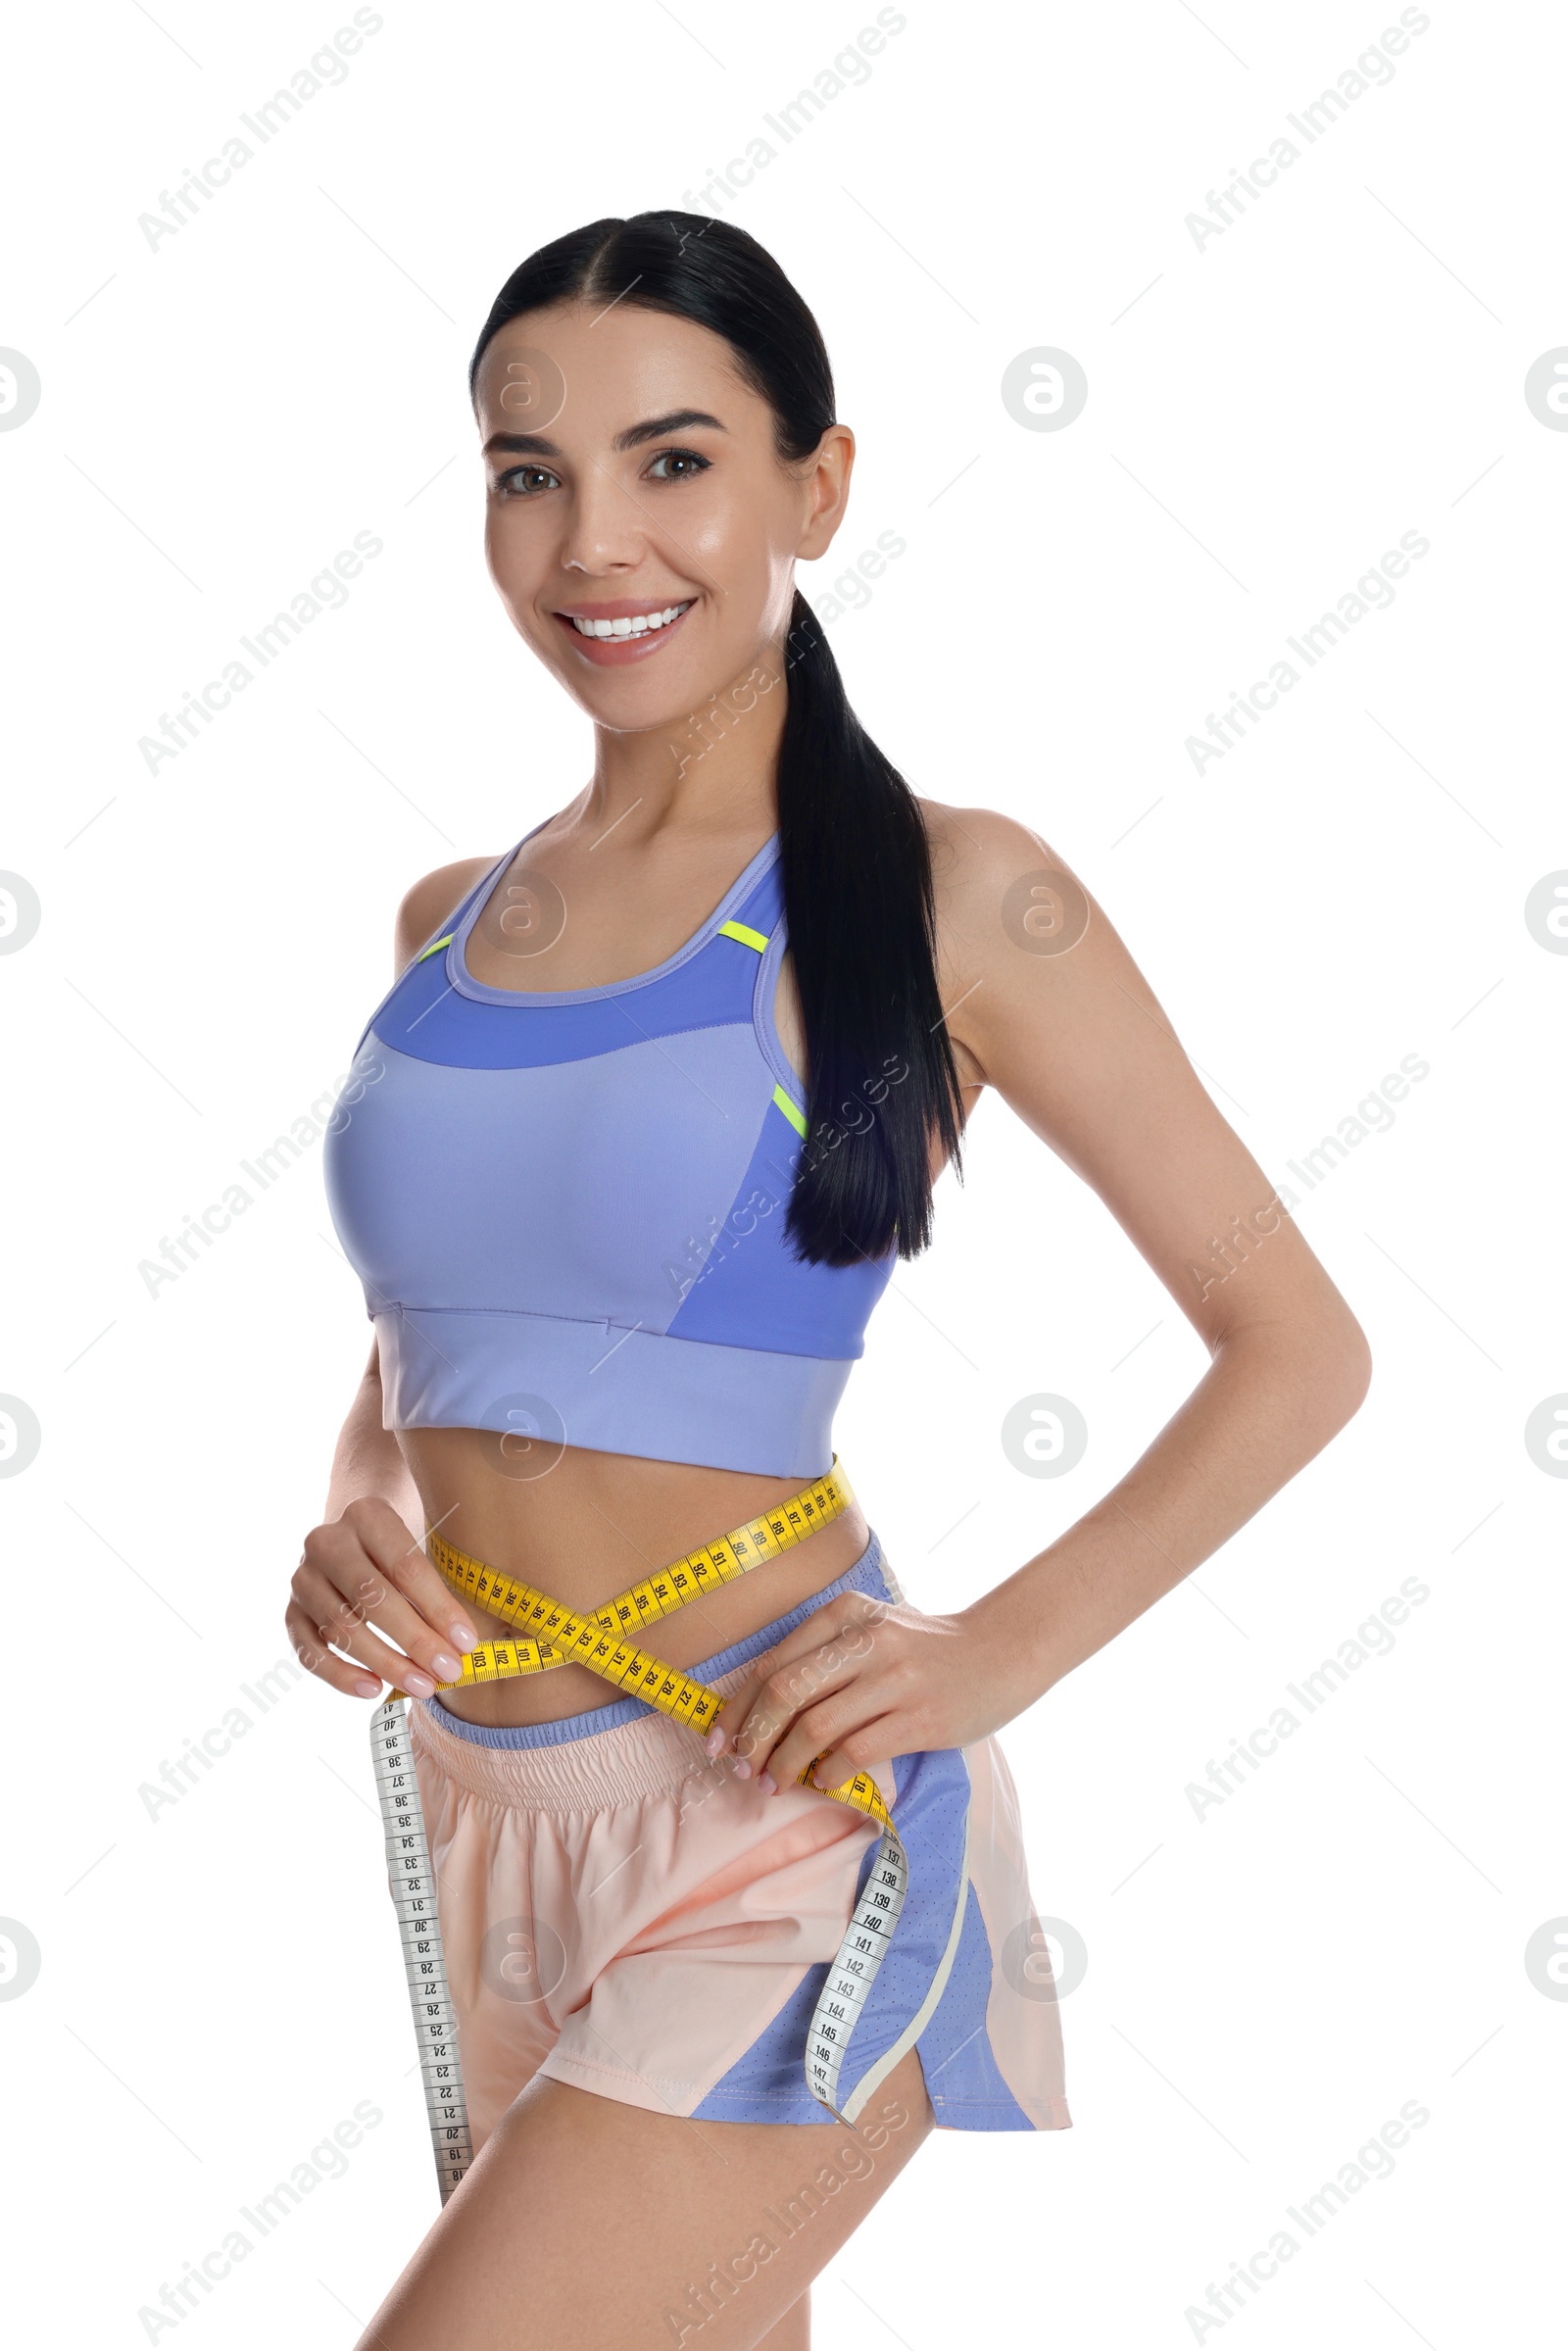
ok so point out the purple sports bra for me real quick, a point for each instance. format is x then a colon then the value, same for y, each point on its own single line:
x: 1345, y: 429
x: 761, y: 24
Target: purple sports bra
x: 568, y: 1209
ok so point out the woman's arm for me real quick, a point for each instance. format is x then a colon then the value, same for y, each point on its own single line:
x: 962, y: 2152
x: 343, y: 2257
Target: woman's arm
x: 367, y: 1461
x: 363, y: 1567
x: 1273, y: 1397
x: 1078, y: 1044
x: 365, y: 1600
x: 1066, y: 1029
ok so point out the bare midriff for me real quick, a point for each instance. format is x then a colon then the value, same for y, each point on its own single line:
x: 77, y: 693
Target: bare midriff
x: 582, y: 1525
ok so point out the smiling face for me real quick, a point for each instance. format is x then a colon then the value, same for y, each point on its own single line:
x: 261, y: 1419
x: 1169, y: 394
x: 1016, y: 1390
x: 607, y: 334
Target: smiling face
x: 640, y: 525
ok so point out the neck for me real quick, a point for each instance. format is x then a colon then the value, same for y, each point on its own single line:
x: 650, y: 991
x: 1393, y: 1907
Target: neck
x: 713, y: 769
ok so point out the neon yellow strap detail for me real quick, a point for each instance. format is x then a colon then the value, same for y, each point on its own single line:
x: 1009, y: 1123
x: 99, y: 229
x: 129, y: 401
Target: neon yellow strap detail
x: 434, y: 944
x: 795, y: 1117
x: 745, y: 936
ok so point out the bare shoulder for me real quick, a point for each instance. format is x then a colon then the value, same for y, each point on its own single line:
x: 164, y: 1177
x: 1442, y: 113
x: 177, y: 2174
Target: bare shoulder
x: 426, y: 906
x: 1028, y: 959
x: 978, y: 855
x: 1049, y: 1009
x: 998, y: 886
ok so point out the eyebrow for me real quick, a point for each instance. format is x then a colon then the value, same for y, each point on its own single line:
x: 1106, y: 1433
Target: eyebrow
x: 532, y: 444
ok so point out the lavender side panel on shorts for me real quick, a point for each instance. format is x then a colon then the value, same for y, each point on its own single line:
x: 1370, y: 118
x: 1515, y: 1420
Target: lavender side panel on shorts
x: 769, y: 2085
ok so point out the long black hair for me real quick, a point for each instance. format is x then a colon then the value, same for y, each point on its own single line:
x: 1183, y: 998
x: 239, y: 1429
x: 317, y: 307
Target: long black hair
x: 855, y: 861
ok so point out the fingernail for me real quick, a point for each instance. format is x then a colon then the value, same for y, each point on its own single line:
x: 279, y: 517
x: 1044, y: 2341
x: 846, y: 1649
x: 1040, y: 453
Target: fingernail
x: 464, y: 1635
x: 767, y: 1783
x: 713, y: 1741
x: 368, y: 1689
x: 421, y: 1685
x: 743, y: 1770
x: 448, y: 1668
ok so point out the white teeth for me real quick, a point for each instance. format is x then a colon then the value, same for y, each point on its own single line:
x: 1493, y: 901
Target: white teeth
x: 637, y: 624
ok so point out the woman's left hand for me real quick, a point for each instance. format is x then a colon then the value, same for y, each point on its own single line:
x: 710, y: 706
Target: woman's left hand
x: 860, y: 1681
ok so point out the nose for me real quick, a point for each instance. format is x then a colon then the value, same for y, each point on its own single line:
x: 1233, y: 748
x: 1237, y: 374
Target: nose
x: 605, y: 531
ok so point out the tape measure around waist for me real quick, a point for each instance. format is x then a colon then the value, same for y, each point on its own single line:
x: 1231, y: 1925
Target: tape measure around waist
x: 554, y: 1634
x: 597, y: 1638
x: 601, y: 1637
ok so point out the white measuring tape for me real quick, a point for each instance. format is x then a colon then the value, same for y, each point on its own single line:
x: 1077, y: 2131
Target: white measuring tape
x: 594, y: 1639
x: 850, y: 1976
x: 412, y: 1881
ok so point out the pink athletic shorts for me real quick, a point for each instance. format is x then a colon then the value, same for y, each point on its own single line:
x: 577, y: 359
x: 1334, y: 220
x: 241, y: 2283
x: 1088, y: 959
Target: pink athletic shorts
x: 620, y: 1913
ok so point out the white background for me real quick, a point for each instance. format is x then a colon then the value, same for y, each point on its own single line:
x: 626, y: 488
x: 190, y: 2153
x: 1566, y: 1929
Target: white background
x: 1267, y: 1984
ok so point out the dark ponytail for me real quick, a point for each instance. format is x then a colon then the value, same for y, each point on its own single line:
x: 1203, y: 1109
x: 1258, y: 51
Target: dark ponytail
x: 883, y: 1083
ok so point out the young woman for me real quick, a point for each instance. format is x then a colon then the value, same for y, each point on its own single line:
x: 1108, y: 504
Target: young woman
x: 654, y: 1107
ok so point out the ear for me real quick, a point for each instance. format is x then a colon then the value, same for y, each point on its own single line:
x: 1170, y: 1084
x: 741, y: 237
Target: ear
x: 826, y: 482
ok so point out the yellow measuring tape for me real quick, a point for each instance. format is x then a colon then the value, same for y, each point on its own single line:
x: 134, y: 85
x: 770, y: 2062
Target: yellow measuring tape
x: 599, y: 1638
x: 552, y: 1635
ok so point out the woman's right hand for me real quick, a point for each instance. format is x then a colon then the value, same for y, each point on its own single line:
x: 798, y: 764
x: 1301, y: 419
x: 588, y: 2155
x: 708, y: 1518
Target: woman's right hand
x: 363, y: 1570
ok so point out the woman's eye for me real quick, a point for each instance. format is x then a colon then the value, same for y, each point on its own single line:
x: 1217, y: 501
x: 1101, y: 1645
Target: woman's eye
x: 672, y: 465
x: 682, y: 464
x: 524, y: 481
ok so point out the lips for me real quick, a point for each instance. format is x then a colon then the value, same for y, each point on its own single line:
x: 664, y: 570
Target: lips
x: 646, y: 631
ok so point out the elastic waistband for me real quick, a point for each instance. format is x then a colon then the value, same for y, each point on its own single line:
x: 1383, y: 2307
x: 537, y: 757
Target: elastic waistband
x: 613, y: 1753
